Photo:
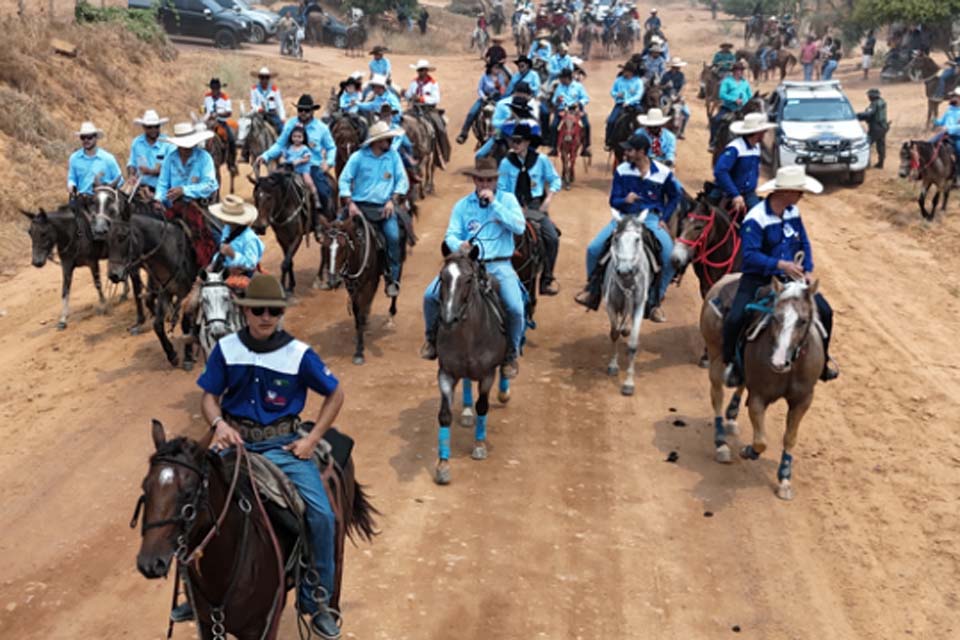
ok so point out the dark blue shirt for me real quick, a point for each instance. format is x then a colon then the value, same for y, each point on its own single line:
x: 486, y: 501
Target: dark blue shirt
x: 768, y: 238
x: 657, y: 190
x: 738, y: 168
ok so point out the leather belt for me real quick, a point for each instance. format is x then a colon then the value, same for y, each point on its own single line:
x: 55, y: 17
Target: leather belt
x: 252, y: 431
x: 489, y: 260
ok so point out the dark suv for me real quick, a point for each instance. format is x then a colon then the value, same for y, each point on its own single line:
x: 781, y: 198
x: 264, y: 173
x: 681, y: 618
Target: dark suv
x: 204, y: 19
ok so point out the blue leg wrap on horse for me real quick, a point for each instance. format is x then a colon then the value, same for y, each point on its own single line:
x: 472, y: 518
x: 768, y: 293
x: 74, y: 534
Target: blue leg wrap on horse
x: 480, y: 431
x: 467, y: 394
x: 785, y: 471
x: 443, y: 446
x: 718, y: 432
x: 749, y: 453
x: 504, y: 384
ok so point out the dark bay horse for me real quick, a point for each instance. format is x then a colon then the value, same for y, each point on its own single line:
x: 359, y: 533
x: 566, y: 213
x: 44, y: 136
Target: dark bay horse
x: 219, y: 150
x: 75, y: 247
x: 471, y: 345
x: 931, y: 164
x: 758, y: 103
x: 710, y: 90
x: 709, y: 238
x: 164, y: 251
x: 191, y: 503
x: 347, y: 139
x: 782, y: 359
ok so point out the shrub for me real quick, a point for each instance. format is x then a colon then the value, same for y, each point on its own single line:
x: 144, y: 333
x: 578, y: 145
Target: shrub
x: 140, y: 22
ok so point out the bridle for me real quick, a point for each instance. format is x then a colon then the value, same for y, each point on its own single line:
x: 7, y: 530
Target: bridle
x: 474, y: 286
x: 335, y: 233
x: 288, y: 192
x: 699, y: 244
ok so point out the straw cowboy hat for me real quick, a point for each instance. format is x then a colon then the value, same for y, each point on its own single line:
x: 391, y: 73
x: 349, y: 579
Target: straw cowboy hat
x: 151, y: 119
x: 485, y: 167
x: 264, y: 72
x: 378, y: 80
x: 381, y: 131
x: 423, y: 63
x: 677, y: 63
x: 792, y: 178
x: 263, y: 291
x: 653, y: 118
x: 751, y: 123
x: 187, y: 136
x: 89, y: 129
x: 234, y: 210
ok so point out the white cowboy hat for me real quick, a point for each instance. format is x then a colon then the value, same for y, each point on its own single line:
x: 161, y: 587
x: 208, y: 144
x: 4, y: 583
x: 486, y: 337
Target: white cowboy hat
x: 151, y: 119
x: 677, y: 62
x: 89, y: 129
x: 380, y: 130
x: 233, y: 210
x: 655, y: 39
x: 653, y: 118
x: 751, y: 123
x: 955, y: 92
x: 656, y: 48
x: 186, y: 135
x: 357, y: 75
x: 422, y: 63
x: 264, y: 71
x: 792, y: 178
x: 378, y: 80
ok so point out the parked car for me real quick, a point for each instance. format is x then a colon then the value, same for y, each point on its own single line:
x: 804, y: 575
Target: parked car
x: 263, y: 22
x: 334, y: 31
x: 816, y: 127
x: 200, y: 19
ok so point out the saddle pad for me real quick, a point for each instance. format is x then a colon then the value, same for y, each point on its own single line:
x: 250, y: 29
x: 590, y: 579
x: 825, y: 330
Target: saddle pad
x: 273, y: 484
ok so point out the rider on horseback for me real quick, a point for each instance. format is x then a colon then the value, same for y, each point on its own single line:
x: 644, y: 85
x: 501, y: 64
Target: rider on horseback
x: 256, y: 380
x: 369, y: 183
x: 949, y: 124
x: 381, y: 96
x: 723, y: 60
x: 627, y: 91
x: 489, y: 89
x: 90, y: 164
x: 639, y: 184
x: 570, y: 93
x: 297, y: 154
x: 265, y: 98
x: 217, y: 107
x: 775, y: 245
x: 488, y: 218
x: 541, y: 49
x: 424, y: 95
x: 672, y: 83
x: 953, y: 64
x: 558, y: 62
x: 653, y: 23
x: 525, y: 74
x: 738, y: 167
x: 379, y: 66
x: 520, y: 107
x: 654, y: 64
x: 147, y: 151
x: 734, y: 93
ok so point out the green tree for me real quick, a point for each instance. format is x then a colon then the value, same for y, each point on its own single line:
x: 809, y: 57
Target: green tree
x: 929, y: 12
x: 744, y: 8
x: 375, y: 7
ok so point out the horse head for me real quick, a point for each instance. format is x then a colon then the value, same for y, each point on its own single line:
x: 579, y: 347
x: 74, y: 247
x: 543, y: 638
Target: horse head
x: 265, y: 198
x: 106, y: 208
x: 458, y: 280
x: 216, y: 303
x: 43, y: 237
x: 338, y: 238
x: 124, y: 246
x: 791, y: 321
x: 694, y: 233
x: 174, y: 492
x: 626, y: 248
x: 909, y: 159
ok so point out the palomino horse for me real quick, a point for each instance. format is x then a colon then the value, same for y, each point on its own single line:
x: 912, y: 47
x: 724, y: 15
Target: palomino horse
x: 932, y: 164
x: 199, y: 514
x: 569, y: 141
x: 471, y: 345
x: 626, y: 285
x: 783, y: 358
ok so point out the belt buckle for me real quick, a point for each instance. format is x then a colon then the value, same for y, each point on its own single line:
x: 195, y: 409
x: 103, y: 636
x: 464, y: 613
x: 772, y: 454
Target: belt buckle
x: 270, y: 432
x: 256, y: 434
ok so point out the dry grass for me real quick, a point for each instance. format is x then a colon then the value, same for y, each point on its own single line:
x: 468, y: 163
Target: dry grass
x: 446, y: 33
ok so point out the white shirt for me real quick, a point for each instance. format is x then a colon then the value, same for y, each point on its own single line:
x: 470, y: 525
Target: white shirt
x: 219, y: 106
x: 269, y: 100
x: 427, y: 93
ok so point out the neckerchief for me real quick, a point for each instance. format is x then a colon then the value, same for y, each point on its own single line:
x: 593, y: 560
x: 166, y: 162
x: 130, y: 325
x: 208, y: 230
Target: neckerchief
x: 276, y: 341
x: 523, y: 187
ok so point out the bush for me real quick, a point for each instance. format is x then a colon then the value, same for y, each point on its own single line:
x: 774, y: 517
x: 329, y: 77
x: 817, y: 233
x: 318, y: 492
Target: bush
x: 744, y: 8
x: 879, y: 12
x: 140, y: 22
x: 376, y: 7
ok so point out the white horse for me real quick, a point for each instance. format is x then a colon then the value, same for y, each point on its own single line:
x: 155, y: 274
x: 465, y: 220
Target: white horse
x: 626, y: 285
x: 218, y: 315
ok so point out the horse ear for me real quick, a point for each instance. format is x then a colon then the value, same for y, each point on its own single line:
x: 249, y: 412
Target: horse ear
x: 42, y: 215
x: 777, y: 286
x: 251, y: 179
x: 116, y: 182
x: 475, y: 252
x: 812, y: 288
x: 159, y: 436
x: 28, y: 214
x: 444, y: 249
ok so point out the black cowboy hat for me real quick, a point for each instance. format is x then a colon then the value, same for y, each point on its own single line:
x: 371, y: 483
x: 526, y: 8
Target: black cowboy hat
x: 354, y: 81
x: 637, y: 141
x: 566, y: 73
x: 523, y: 87
x: 306, y: 102
x: 523, y: 59
x: 215, y: 82
x: 523, y: 131
x: 378, y: 49
x: 520, y: 108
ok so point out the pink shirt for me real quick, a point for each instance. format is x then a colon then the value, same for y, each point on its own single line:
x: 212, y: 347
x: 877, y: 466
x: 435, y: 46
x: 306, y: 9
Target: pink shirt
x: 808, y: 53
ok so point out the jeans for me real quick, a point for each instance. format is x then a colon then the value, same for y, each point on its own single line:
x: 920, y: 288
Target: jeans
x: 231, y: 143
x: 321, y: 523
x: 612, y: 120
x: 944, y: 78
x: 807, y: 71
x: 511, y: 295
x: 586, y: 130
x: 763, y: 58
x: 471, y: 116
x: 323, y: 187
x: 828, y: 68
x: 390, y: 228
x: 652, y: 222
x: 273, y: 119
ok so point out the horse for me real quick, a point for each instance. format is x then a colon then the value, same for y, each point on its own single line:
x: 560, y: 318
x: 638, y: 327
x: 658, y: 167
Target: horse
x: 710, y: 90
x: 356, y: 258
x: 783, y: 358
x: 163, y: 249
x: 752, y: 30
x: 346, y: 137
x: 784, y: 61
x: 356, y: 38
x: 61, y: 230
x: 471, y: 345
x: 522, y: 37
x: 217, y: 315
x: 256, y: 135
x: 932, y: 164
x: 479, y: 39
x: 588, y: 33
x: 709, y: 238
x: 497, y: 20
x: 483, y: 125
x: 931, y: 81
x: 922, y: 67
x: 569, y: 140
x: 626, y: 286
x: 529, y: 258
x: 194, y: 510
x: 622, y: 129
x: 425, y: 149
x: 283, y: 203
x: 758, y: 103
x: 218, y: 149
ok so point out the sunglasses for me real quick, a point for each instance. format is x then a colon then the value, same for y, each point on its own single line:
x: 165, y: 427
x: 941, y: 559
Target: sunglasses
x: 151, y: 126
x: 308, y: 110
x: 275, y: 312
x: 88, y: 137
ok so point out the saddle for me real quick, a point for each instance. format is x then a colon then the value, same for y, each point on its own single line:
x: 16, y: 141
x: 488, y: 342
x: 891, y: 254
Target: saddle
x: 490, y: 291
x: 651, y: 246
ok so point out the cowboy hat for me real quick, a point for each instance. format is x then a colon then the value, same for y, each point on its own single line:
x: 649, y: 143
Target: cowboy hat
x: 637, y: 141
x: 380, y: 130
x: 422, y: 63
x: 378, y: 49
x: 485, y: 167
x: 378, y: 80
x: 522, y: 58
x: 740, y: 64
x: 523, y: 87
x: 955, y: 92
x: 233, y: 210
x: 751, y: 123
x: 263, y: 72
x: 89, y: 129
x: 263, y: 291
x: 523, y: 131
x: 655, y: 48
x: 677, y: 62
x: 215, y: 82
x: 792, y: 178
x: 357, y: 75
x: 306, y: 102
x: 653, y: 118
x: 186, y: 135
x: 726, y: 45
x: 150, y: 119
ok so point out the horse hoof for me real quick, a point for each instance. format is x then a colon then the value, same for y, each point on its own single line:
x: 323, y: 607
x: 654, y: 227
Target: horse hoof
x: 503, y: 397
x: 479, y: 451
x: 731, y: 427
x: 61, y: 325
x: 785, y: 491
x: 467, y: 418
x: 441, y: 474
x: 101, y: 311
x: 627, y: 390
x: 188, y: 365
x: 568, y: 186
x: 723, y: 455
x: 613, y: 370
x: 704, y: 362
x: 135, y: 330
x: 358, y: 360
x: 390, y: 324
x: 174, y: 361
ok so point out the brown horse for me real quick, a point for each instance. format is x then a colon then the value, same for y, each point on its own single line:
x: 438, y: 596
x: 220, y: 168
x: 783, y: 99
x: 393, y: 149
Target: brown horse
x: 529, y: 258
x: 569, y: 141
x: 283, y: 204
x: 258, y: 135
x: 784, y: 62
x: 710, y: 90
x: 758, y: 103
x: 932, y: 164
x: 783, y: 358
x: 928, y: 71
x: 709, y: 238
x: 236, y: 584
x: 218, y: 148
x: 425, y: 151
x: 347, y: 139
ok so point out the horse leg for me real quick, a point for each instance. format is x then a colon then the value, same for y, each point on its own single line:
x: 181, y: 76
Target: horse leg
x: 137, y: 285
x: 612, y: 367
x: 757, y: 409
x: 286, y: 267
x: 95, y: 272
x: 189, y: 330
x: 795, y: 414
x: 733, y: 410
x: 946, y: 196
x: 503, y: 392
x: 632, y: 343
x: 360, y: 323
x: 66, y: 267
x: 159, y: 314
x: 447, y: 384
x: 722, y: 454
x: 467, y: 415
x: 483, y: 405
x: 922, y: 201
x: 391, y: 313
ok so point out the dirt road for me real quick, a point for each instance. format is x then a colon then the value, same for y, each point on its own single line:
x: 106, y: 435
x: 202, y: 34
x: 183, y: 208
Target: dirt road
x: 575, y: 527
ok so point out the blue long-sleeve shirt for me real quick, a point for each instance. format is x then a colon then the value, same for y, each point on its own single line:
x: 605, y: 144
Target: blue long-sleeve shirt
x: 668, y: 145
x: 377, y: 102
x: 673, y: 80
x: 488, y: 86
x: 247, y: 249
x: 557, y: 63
x: 569, y: 94
x: 657, y: 190
x: 653, y: 22
x: 320, y: 140
x: 540, y: 50
x: 731, y: 90
x: 950, y: 121
x: 83, y: 170
x: 381, y: 66
x: 151, y: 156
x: 491, y: 228
x: 738, y: 168
x: 627, y: 91
x: 542, y: 176
x: 350, y: 102
x: 531, y: 77
x: 197, y: 178
x: 654, y: 65
x: 368, y: 177
x: 768, y: 238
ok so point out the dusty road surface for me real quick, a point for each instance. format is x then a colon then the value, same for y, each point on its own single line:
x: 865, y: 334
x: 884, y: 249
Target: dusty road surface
x: 575, y: 527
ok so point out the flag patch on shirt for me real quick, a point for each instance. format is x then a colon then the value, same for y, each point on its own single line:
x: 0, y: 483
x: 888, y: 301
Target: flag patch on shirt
x: 473, y: 226
x: 275, y: 399
x: 387, y: 175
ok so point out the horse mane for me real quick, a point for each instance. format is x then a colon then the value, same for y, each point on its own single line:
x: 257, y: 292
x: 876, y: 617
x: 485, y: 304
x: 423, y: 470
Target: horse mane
x: 175, y: 447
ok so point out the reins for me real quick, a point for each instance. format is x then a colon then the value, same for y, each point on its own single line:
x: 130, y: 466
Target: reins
x: 703, y: 252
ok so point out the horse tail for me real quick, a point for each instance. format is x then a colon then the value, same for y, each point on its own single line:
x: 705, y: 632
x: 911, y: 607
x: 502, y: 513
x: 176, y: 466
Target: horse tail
x: 361, y: 522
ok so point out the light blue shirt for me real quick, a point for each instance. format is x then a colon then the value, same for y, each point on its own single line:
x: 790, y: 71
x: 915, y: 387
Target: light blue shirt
x: 557, y: 63
x: 491, y: 228
x: 654, y: 66
x: 292, y: 154
x: 531, y: 77
x: 627, y: 91
x: 376, y: 102
x: 370, y: 178
x: 381, y: 66
x: 542, y: 51
x: 320, y: 141
x: 83, y: 170
x: 401, y: 142
x: 573, y: 93
x: 247, y: 249
x: 668, y: 145
x: 950, y: 120
x: 197, y: 178
x: 488, y: 86
x: 501, y: 113
x: 542, y: 174
x: 731, y: 91
x: 350, y: 102
x: 151, y: 156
